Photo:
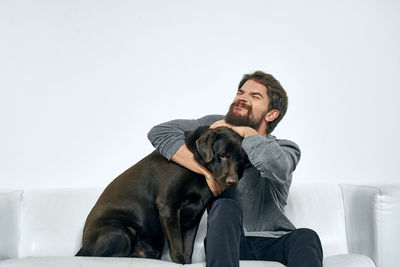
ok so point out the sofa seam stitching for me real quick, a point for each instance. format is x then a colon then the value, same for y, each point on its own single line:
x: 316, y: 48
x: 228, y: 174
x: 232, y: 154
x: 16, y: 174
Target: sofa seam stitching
x: 345, y: 217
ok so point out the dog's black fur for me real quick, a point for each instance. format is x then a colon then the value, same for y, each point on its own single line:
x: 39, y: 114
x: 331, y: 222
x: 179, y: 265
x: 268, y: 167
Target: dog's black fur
x: 157, y: 198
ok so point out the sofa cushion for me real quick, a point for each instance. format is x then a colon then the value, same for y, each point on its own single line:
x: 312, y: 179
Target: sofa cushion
x: 115, y: 262
x: 353, y: 260
x: 84, y: 262
x: 350, y: 260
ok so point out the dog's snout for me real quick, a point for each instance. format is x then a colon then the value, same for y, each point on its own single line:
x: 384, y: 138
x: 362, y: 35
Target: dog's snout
x: 232, y: 180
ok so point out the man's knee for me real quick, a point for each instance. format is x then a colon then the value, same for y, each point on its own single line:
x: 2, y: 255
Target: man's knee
x: 307, y: 237
x: 225, y: 209
x: 306, y: 234
x: 304, y: 248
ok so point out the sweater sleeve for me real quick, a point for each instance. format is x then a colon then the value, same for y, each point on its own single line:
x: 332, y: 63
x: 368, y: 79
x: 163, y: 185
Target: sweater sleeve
x: 169, y: 136
x: 274, y: 159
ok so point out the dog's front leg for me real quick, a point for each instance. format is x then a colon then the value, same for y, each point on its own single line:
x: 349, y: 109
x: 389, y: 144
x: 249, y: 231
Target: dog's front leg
x: 188, y: 241
x: 170, y: 221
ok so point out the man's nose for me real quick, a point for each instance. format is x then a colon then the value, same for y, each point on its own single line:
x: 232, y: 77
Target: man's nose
x: 243, y: 97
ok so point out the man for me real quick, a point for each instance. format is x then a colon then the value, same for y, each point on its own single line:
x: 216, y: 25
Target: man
x: 259, y: 105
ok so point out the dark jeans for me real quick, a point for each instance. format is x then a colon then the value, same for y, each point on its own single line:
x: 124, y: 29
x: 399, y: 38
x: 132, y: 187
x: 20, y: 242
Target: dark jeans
x: 226, y: 244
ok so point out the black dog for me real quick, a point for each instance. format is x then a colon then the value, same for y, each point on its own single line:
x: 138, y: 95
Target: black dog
x: 157, y: 198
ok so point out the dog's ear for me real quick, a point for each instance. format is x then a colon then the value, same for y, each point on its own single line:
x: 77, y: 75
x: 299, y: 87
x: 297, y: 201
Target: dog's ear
x: 192, y: 136
x: 204, y: 145
x: 247, y: 163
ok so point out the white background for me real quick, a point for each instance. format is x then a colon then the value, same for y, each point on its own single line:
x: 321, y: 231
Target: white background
x: 83, y: 81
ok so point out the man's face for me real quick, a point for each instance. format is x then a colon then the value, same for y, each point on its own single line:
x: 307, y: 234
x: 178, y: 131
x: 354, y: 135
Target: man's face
x: 250, y: 105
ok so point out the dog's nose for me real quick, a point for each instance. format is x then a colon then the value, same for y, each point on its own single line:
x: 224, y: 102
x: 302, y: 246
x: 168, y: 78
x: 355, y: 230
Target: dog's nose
x: 231, y: 180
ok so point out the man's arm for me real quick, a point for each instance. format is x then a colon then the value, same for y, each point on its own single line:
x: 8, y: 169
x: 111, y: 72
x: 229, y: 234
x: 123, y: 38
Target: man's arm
x: 274, y: 159
x: 169, y: 139
x: 185, y: 158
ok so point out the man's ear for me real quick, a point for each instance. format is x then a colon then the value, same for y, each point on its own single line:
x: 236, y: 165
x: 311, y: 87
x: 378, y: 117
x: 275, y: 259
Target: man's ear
x: 204, y: 145
x: 271, y: 115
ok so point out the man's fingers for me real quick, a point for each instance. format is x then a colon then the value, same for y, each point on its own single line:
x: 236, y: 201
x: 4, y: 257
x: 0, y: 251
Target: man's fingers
x: 215, y: 125
x: 216, y: 191
x: 220, y: 123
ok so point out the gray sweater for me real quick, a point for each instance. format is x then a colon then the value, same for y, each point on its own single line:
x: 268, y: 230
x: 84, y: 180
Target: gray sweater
x: 264, y: 187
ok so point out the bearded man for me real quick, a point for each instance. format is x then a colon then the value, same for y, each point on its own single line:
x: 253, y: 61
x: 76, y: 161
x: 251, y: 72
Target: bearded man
x: 249, y: 224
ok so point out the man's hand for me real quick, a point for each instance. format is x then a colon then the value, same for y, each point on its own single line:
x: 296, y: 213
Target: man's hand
x: 243, y: 131
x: 214, y: 187
x: 185, y: 158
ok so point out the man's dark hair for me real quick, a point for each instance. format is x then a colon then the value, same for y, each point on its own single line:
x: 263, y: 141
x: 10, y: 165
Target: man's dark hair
x: 276, y: 94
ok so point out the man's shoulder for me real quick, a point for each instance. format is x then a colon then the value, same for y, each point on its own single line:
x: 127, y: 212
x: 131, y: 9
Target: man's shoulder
x: 210, y: 119
x: 284, y: 142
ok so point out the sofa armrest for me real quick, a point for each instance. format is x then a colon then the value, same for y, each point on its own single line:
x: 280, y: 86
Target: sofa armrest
x: 10, y: 204
x: 372, y: 221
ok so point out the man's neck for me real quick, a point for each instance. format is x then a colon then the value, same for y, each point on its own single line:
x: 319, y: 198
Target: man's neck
x: 262, y: 130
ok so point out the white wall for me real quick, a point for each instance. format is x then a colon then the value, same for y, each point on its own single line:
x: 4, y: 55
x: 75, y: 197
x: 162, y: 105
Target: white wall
x: 83, y: 81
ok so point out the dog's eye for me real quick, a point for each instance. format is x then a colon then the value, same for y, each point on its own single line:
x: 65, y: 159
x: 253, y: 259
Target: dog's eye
x: 222, y: 157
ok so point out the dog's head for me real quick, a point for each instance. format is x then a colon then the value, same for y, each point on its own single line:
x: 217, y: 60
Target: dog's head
x: 220, y: 151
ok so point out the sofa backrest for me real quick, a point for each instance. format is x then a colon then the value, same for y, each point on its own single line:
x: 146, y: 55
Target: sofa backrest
x: 51, y: 220
x: 320, y: 207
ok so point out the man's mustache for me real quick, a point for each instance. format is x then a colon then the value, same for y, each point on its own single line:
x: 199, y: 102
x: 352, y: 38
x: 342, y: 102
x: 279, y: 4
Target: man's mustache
x: 241, y: 104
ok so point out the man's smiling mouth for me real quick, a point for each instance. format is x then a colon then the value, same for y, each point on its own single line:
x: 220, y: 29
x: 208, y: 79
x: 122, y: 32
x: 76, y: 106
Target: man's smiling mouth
x: 241, y: 106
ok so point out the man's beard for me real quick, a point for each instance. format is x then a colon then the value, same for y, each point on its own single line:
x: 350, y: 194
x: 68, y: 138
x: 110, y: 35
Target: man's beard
x: 242, y: 120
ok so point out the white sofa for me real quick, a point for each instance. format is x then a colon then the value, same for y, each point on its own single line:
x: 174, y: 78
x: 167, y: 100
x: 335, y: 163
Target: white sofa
x: 358, y: 225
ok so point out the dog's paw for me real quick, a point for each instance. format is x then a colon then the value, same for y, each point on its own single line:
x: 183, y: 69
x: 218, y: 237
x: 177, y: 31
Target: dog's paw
x: 178, y: 259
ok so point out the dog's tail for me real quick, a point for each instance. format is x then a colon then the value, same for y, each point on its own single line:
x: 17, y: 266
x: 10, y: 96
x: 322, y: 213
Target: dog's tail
x: 80, y: 253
